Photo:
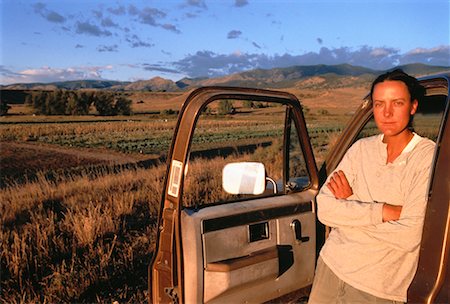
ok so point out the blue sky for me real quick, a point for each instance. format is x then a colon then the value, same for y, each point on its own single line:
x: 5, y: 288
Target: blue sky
x: 58, y: 40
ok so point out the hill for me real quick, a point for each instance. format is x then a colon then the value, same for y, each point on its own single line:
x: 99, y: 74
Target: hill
x: 334, y: 75
x: 68, y: 85
x: 154, y: 84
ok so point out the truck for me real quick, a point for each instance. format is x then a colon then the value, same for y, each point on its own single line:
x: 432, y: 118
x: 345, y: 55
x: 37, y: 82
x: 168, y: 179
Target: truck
x: 238, y: 222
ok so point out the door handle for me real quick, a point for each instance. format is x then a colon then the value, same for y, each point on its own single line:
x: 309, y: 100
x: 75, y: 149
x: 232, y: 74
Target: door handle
x: 296, y: 226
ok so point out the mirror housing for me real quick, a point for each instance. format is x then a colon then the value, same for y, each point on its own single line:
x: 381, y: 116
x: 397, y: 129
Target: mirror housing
x: 244, y: 178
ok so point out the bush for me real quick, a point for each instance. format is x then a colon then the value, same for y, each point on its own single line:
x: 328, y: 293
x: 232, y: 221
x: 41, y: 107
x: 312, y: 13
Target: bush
x: 260, y: 105
x: 107, y: 104
x: 248, y: 104
x: 122, y: 106
x: 225, y: 107
x: 64, y: 102
x: 169, y: 112
x: 4, y: 107
x: 323, y: 112
x: 103, y: 103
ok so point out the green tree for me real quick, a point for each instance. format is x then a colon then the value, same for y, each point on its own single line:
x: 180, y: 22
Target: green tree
x: 84, y: 102
x: 38, y: 101
x: 4, y: 107
x: 122, y: 106
x: 71, y: 103
x: 248, y: 104
x: 56, y: 102
x: 103, y: 103
x: 225, y: 107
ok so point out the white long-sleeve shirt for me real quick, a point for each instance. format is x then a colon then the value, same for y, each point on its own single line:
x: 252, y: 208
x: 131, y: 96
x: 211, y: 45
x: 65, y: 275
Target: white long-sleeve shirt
x: 372, y: 256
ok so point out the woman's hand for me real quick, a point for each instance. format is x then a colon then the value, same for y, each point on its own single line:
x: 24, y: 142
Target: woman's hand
x: 339, y: 185
x: 391, y: 212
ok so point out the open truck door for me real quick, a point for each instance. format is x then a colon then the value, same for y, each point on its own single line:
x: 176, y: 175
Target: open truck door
x: 239, y: 245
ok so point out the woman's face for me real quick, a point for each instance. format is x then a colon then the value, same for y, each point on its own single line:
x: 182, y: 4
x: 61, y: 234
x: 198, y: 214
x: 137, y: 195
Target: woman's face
x: 392, y: 107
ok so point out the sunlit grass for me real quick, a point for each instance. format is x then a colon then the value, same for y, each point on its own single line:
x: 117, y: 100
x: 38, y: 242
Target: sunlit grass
x: 61, y: 239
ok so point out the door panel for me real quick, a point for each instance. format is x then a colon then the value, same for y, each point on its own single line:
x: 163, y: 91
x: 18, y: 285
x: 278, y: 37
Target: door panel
x: 235, y: 268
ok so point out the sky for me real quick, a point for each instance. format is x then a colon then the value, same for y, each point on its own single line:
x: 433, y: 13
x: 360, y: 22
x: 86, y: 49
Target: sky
x: 61, y: 40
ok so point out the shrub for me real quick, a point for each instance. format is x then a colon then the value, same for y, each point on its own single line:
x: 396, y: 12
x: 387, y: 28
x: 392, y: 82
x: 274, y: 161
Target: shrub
x: 168, y: 112
x: 248, y: 104
x: 225, y: 107
x: 323, y: 112
x: 4, y: 107
x: 64, y: 102
x: 122, y: 106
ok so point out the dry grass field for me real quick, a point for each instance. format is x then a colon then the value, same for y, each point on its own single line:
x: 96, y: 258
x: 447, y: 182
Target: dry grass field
x: 79, y: 196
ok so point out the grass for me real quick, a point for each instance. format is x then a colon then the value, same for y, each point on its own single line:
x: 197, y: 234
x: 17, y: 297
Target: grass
x: 82, y: 239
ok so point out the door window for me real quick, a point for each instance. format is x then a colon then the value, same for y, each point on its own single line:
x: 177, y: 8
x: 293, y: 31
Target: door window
x: 239, y: 131
x: 298, y: 173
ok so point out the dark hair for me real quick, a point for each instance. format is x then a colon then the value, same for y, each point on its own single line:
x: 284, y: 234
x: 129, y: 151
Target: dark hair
x: 416, y: 90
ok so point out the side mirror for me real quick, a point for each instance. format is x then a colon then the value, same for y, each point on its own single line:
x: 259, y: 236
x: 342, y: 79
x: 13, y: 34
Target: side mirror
x: 244, y: 178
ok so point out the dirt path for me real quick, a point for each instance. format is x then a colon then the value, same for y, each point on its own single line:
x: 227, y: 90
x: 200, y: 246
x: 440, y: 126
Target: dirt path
x: 26, y: 158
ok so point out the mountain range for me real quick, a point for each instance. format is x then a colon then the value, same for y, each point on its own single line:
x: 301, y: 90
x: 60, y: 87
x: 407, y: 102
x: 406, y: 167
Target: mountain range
x: 259, y: 78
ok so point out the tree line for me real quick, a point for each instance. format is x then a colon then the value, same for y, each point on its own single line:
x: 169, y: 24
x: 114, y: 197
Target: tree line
x: 66, y: 102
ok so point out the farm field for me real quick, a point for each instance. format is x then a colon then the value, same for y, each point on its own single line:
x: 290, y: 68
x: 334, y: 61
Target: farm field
x: 79, y: 195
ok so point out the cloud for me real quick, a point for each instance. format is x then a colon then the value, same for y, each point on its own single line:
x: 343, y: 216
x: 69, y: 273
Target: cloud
x: 119, y: 11
x: 207, y: 63
x: 52, y: 16
x: 256, y: 45
x: 433, y: 56
x: 240, y: 3
x: 171, y: 27
x: 210, y: 64
x: 133, y: 10
x: 9, y: 76
x: 234, y: 34
x: 55, y: 17
x: 47, y: 74
x: 378, y: 52
x: 97, y: 14
x: 190, y: 15
x: 151, y: 16
x: 39, y: 7
x: 158, y: 68
x: 91, y: 29
x: 107, y: 22
x: 135, y: 42
x: 107, y: 48
x: 197, y: 3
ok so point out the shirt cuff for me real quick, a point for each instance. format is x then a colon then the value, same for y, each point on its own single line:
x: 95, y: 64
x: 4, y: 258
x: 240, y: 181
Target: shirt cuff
x: 377, y: 213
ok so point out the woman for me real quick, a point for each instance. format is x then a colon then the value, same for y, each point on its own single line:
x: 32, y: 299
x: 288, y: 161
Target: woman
x: 375, y: 204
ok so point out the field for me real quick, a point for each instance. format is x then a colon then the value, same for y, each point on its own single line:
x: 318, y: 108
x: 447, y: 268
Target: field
x: 79, y: 196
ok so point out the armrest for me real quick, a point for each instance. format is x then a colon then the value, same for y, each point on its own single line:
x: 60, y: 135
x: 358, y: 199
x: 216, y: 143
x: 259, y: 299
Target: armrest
x: 241, y: 262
